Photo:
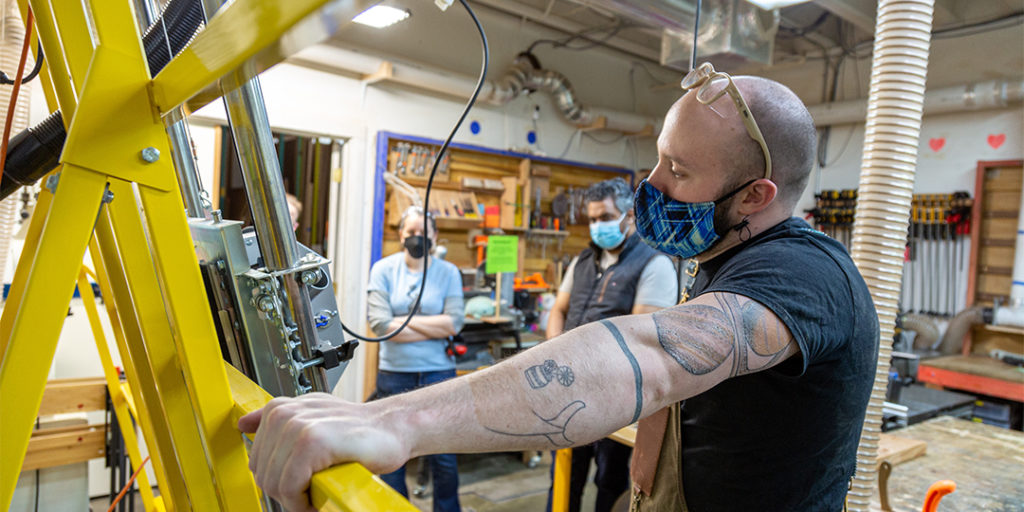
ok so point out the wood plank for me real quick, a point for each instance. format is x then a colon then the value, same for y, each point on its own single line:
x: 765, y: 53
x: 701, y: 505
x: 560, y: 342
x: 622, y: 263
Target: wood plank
x: 625, y: 435
x: 999, y: 228
x: 74, y: 395
x: 996, y: 256
x: 994, y: 284
x: 64, y: 446
x: 897, y: 449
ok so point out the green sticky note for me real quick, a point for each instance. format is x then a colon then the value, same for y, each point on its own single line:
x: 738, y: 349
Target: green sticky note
x: 502, y: 254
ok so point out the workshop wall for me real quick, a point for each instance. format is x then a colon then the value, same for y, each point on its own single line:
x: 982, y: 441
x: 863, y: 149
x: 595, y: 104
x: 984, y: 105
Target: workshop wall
x: 951, y: 146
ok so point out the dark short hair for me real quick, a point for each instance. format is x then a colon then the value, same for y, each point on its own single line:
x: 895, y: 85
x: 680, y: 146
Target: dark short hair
x: 615, y: 188
x: 419, y: 212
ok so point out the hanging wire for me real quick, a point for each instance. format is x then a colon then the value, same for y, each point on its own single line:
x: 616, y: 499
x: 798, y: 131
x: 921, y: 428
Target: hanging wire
x: 430, y: 181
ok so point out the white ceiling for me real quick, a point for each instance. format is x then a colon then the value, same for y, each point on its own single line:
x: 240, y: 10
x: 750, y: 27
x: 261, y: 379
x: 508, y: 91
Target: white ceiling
x: 623, y: 55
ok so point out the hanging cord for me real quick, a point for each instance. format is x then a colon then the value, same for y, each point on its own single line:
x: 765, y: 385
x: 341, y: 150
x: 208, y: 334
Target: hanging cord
x: 14, y: 92
x: 696, y: 30
x: 127, y: 485
x: 6, y: 80
x: 430, y: 181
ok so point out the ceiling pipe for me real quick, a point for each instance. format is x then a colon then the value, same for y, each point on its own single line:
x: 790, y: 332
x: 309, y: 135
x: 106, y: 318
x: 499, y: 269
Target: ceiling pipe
x: 522, y: 77
x: 961, y: 98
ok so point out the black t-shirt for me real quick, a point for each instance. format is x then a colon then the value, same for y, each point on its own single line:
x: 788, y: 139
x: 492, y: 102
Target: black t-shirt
x: 785, y: 439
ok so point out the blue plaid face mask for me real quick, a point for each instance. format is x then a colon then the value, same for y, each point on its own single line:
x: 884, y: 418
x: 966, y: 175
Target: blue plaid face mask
x: 674, y: 227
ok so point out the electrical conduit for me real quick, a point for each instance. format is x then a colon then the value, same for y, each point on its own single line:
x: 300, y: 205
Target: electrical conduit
x: 10, y: 53
x: 892, y: 134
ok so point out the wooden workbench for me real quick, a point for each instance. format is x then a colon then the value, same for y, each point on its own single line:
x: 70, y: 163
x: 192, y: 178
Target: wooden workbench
x: 986, y: 462
x: 975, y: 374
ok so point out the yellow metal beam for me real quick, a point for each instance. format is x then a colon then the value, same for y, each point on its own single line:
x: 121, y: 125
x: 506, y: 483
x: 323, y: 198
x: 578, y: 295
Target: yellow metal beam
x: 114, y: 120
x: 157, y: 337
x: 42, y: 293
x: 244, y: 39
x: 139, y: 367
x: 44, y: 74
x: 76, y: 37
x: 117, y: 394
x: 21, y: 272
x: 198, y: 349
x: 54, y: 63
x: 560, y: 485
x: 342, y: 488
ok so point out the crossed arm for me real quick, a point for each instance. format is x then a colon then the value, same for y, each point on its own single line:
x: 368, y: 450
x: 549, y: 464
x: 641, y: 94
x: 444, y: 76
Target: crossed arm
x: 420, y: 327
x: 573, y: 389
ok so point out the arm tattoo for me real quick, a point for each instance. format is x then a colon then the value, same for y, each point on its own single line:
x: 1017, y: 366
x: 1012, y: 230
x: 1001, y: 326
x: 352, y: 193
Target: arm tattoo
x: 638, y: 377
x: 539, y: 375
x: 553, y: 428
x: 701, y: 337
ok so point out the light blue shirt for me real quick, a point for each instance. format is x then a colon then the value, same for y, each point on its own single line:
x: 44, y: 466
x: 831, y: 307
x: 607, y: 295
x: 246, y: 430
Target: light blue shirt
x: 392, y: 277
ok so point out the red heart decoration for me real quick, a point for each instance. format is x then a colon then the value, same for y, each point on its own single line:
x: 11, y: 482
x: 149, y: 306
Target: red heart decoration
x: 936, y: 144
x: 996, y: 140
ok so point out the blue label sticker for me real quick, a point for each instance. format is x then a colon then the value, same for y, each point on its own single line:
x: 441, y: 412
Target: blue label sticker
x: 474, y: 127
x: 531, y: 137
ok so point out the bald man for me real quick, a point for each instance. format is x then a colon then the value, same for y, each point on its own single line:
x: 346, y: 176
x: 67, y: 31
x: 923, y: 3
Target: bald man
x: 751, y: 394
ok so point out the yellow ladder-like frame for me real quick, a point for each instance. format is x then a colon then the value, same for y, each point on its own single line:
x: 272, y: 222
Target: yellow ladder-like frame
x: 129, y: 212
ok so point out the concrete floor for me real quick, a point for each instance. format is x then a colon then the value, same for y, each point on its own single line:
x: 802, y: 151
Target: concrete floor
x: 494, y: 482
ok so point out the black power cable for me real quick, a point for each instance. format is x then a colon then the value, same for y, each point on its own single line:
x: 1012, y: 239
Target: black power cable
x: 430, y: 181
x: 582, y: 34
x: 6, y: 80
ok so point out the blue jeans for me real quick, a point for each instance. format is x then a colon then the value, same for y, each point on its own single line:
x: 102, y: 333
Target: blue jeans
x: 444, y: 469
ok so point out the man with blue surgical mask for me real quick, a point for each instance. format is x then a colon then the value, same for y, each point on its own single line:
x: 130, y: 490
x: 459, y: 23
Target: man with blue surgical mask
x: 617, y: 275
x: 751, y: 395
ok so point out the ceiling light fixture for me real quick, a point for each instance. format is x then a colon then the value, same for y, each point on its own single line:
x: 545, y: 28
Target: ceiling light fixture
x: 380, y: 16
x: 775, y: 4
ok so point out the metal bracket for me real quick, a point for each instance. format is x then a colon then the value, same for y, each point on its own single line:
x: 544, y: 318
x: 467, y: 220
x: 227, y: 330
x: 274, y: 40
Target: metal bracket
x: 329, y: 357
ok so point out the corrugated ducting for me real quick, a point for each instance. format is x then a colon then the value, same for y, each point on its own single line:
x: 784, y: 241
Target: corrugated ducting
x: 892, y: 135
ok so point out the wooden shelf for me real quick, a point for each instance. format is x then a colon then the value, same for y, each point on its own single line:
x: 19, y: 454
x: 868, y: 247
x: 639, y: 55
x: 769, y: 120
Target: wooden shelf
x: 1003, y: 329
x: 457, y: 223
x: 547, y: 232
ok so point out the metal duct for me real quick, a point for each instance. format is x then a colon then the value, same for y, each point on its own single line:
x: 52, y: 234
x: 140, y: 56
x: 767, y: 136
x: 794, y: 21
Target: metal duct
x: 526, y: 75
x: 892, y: 133
x: 974, y: 96
x: 732, y: 32
x: 10, y: 53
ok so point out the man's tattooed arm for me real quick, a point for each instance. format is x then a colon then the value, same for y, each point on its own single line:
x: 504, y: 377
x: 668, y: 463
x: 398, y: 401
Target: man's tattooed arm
x: 597, y: 378
x: 720, y: 329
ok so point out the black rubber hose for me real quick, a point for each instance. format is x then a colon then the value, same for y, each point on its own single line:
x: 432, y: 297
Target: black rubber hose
x: 172, y: 32
x: 33, y: 153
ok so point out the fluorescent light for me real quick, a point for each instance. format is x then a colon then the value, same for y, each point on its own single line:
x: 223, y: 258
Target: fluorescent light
x: 380, y: 16
x: 775, y: 4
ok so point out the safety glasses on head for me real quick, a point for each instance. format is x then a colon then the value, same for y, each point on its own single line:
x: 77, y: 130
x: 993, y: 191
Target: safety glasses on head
x: 712, y: 85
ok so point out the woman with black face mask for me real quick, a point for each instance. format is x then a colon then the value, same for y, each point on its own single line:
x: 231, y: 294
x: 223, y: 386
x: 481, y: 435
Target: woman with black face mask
x: 417, y: 356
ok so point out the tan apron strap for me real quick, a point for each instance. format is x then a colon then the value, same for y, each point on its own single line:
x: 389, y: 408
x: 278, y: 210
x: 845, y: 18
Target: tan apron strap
x: 650, y: 433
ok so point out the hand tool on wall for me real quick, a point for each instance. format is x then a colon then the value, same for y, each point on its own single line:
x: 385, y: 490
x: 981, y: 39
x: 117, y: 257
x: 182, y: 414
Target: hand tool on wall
x: 403, y: 158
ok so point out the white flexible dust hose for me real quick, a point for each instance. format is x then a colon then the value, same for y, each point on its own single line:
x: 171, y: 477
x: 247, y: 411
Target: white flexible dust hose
x: 11, y: 40
x: 892, y: 132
